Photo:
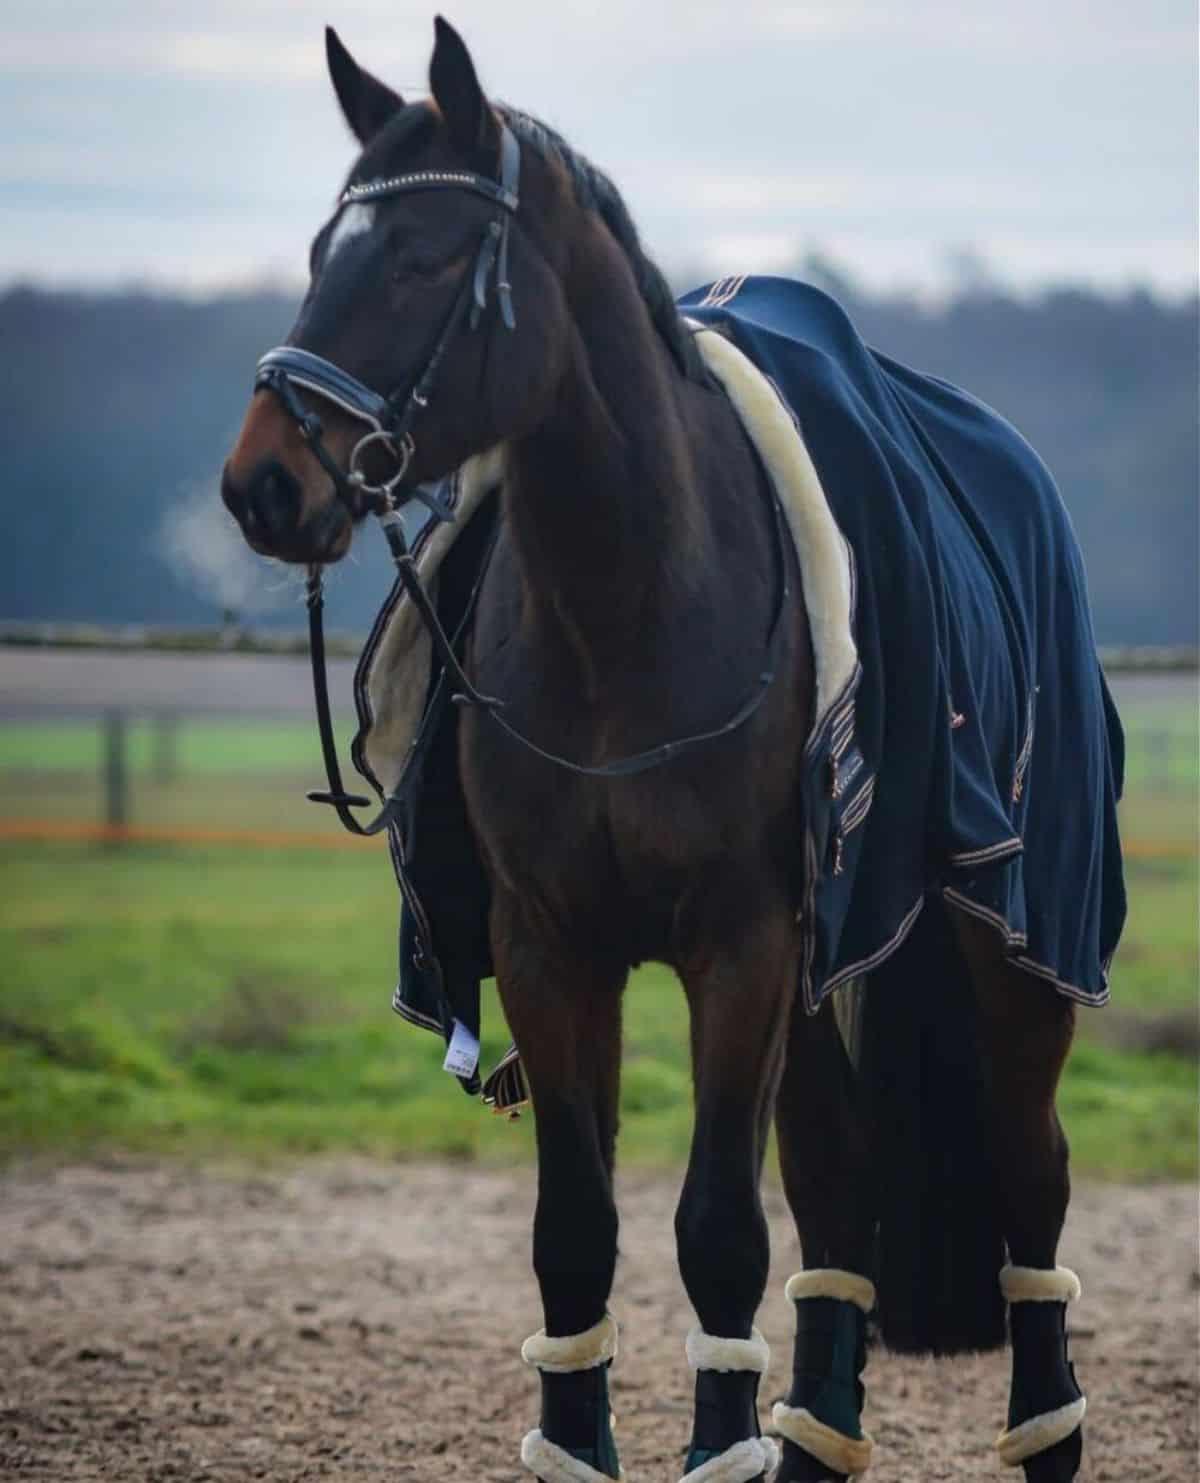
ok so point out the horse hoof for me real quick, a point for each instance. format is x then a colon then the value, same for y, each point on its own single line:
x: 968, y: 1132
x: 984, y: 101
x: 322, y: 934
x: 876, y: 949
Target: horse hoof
x: 804, y: 1468
x: 1057, y: 1464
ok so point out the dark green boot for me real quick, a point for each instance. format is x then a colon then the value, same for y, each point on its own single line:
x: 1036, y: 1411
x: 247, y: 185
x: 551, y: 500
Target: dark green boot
x: 726, y: 1445
x: 821, y: 1420
x: 574, y: 1443
x: 1045, y: 1406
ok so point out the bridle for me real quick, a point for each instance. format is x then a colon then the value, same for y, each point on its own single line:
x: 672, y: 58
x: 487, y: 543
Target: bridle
x: 390, y: 418
x: 390, y: 421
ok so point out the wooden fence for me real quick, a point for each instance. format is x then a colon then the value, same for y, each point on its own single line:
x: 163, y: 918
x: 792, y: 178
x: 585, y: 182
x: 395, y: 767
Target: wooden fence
x: 1165, y: 755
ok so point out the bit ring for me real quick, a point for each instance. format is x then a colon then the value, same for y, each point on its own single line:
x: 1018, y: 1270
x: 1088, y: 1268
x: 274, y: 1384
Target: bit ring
x: 401, y: 450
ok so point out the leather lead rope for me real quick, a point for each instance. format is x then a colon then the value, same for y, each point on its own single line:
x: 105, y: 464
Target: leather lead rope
x: 342, y: 801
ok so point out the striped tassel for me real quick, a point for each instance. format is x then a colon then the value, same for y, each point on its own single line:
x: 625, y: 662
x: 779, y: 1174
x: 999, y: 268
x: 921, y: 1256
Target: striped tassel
x: 505, y: 1090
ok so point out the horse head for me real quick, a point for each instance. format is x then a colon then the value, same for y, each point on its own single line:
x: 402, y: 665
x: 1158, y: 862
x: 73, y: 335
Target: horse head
x: 435, y: 321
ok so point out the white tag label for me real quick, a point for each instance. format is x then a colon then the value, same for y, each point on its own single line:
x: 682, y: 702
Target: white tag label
x: 462, y: 1054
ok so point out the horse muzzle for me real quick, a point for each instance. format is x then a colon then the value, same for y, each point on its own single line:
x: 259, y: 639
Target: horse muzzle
x: 270, y: 507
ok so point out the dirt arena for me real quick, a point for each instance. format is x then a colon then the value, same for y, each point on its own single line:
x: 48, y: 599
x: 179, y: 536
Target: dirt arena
x: 362, y: 1320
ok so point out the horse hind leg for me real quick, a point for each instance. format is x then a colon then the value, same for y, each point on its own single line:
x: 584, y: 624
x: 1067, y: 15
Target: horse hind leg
x: 1026, y: 1029
x: 825, y: 1160
x: 565, y: 1015
x: 739, y: 996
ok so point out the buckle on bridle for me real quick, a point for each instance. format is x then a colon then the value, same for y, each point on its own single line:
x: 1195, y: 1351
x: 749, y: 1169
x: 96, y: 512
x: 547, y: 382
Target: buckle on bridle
x: 401, y: 449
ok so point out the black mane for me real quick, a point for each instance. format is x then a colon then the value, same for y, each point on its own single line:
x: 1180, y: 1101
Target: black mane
x: 595, y: 191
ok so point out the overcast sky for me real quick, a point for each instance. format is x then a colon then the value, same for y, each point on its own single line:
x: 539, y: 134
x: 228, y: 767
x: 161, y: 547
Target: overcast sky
x: 197, y: 142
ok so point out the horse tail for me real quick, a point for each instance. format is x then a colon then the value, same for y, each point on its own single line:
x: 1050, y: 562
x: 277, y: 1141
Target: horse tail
x: 940, y: 1245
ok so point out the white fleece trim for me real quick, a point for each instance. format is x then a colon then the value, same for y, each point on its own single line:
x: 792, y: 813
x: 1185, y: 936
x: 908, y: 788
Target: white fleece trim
x: 554, y: 1464
x: 841, y: 1453
x: 737, y: 1464
x: 398, y: 677
x: 708, y: 1352
x: 1039, y: 1285
x: 562, y: 1356
x: 1039, y: 1432
x: 831, y: 1282
x: 820, y: 547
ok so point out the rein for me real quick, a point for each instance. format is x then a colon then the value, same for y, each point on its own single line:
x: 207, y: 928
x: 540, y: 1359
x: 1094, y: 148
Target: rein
x: 390, y: 420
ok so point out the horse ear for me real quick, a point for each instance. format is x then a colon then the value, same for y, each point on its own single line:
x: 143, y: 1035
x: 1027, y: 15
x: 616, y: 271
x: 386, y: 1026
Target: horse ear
x: 456, y: 89
x: 366, y: 102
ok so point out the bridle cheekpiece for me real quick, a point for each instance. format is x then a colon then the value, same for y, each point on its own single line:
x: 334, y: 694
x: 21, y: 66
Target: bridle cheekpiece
x: 390, y: 417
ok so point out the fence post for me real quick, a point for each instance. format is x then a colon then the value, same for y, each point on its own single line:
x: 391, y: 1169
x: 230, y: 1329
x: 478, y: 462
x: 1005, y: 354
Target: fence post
x: 164, y: 764
x: 116, y: 771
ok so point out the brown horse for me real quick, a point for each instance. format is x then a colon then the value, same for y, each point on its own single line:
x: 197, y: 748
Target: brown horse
x: 629, y: 598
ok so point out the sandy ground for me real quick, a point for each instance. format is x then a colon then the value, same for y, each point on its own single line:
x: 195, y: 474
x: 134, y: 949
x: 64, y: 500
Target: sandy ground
x: 362, y: 1321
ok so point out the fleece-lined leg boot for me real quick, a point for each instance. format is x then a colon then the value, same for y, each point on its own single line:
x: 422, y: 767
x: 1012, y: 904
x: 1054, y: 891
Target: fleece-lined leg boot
x: 574, y: 1443
x: 821, y: 1421
x: 1044, y: 1434
x: 726, y: 1446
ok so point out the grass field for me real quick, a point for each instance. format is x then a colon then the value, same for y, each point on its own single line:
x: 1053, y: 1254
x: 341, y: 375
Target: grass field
x: 234, y: 1001
x: 205, y: 747
x: 225, y: 1002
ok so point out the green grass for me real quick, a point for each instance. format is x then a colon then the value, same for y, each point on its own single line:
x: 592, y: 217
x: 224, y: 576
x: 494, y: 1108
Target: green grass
x: 1130, y: 1114
x: 220, y: 1002
x: 204, y: 746
x: 1156, y: 965
x: 1161, y: 741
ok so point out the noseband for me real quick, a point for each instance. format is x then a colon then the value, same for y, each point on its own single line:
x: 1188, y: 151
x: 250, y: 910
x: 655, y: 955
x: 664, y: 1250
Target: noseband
x: 390, y: 418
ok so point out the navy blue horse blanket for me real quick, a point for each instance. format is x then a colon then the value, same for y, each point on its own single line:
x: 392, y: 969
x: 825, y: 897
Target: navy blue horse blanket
x: 975, y: 751
x: 971, y: 749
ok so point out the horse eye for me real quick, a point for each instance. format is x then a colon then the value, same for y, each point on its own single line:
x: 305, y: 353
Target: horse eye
x: 414, y: 267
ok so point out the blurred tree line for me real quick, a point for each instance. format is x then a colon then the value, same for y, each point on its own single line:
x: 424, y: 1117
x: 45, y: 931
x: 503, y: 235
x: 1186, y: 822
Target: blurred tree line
x: 117, y: 410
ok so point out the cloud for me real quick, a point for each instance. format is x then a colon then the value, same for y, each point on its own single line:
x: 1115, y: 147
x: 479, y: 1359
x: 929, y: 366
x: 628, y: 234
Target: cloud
x: 183, y: 139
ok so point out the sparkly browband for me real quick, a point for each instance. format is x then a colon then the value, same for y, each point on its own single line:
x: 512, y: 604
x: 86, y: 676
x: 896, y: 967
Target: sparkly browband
x: 503, y: 192
x: 396, y: 185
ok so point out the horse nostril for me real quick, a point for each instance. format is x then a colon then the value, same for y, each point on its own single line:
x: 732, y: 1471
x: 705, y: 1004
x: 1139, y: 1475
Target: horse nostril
x: 274, y: 498
x: 233, y: 497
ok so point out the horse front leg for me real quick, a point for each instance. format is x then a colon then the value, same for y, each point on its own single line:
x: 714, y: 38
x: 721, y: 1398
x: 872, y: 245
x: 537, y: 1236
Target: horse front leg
x: 825, y: 1160
x: 1026, y: 1029
x: 565, y: 1015
x: 739, y: 997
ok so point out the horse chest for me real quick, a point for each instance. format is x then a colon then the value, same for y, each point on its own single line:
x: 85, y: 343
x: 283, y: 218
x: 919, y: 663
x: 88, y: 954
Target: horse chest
x: 645, y: 851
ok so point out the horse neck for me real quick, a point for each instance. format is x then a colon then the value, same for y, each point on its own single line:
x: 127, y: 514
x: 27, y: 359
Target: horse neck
x: 603, y: 499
